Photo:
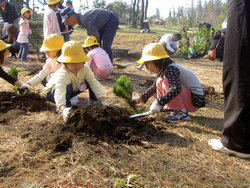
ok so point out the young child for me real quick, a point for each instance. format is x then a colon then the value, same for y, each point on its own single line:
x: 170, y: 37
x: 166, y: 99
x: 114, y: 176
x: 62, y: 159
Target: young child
x: 23, y: 35
x: 3, y: 53
x: 52, y: 45
x: 50, y: 22
x: 72, y: 78
x: 99, y: 62
x: 177, y: 88
x: 11, y: 38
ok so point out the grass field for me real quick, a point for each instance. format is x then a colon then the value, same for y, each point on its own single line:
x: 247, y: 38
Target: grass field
x: 174, y: 155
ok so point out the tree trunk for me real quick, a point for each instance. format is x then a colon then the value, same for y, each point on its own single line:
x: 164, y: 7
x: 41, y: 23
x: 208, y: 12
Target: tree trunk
x: 137, y: 11
x: 142, y: 13
x: 146, y: 10
x: 133, y: 17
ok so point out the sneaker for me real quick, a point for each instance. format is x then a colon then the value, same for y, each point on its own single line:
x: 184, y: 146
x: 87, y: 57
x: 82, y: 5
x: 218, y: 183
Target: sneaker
x: 27, y: 59
x: 94, y: 103
x: 216, y: 145
x: 177, y: 115
x: 74, y: 100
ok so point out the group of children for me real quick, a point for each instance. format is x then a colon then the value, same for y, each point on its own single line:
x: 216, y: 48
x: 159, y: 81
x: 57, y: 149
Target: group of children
x: 69, y: 71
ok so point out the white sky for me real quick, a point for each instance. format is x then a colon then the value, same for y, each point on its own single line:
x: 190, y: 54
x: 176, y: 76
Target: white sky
x: 163, y: 5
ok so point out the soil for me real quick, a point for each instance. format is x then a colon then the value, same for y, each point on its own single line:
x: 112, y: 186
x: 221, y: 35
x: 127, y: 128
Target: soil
x: 34, y: 136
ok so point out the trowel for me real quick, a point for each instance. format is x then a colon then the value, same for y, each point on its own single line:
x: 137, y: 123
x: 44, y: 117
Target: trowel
x: 140, y: 115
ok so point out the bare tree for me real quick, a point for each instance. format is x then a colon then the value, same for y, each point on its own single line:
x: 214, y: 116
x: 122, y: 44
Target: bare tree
x: 146, y: 10
x: 133, y: 16
x: 142, y: 13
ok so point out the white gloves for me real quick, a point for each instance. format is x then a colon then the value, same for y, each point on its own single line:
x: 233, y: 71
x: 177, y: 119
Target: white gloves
x: 25, y: 86
x: 104, y: 103
x: 154, y: 108
x: 66, y: 114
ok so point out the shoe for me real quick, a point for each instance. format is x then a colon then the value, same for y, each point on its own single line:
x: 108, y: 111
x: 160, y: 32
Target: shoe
x: 74, y: 100
x: 27, y: 59
x: 216, y: 145
x: 12, y: 55
x: 177, y: 115
x: 94, y: 103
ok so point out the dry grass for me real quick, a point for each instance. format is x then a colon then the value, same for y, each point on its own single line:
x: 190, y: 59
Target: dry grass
x: 178, y: 157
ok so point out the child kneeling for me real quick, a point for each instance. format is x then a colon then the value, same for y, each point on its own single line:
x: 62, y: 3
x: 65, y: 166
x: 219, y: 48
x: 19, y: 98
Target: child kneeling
x: 177, y: 88
x: 73, y: 78
x: 99, y: 62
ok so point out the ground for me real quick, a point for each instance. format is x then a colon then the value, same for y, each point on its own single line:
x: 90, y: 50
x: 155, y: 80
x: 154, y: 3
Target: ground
x: 101, y: 146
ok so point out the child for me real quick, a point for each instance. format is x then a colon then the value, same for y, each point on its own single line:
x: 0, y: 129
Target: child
x: 52, y: 45
x: 11, y: 38
x: 99, y: 62
x: 23, y: 35
x: 72, y: 78
x: 177, y: 88
x: 3, y: 53
x: 50, y: 22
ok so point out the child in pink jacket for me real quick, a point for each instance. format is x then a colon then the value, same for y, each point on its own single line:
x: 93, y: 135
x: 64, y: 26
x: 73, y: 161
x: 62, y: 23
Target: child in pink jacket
x: 99, y: 62
x: 23, y: 35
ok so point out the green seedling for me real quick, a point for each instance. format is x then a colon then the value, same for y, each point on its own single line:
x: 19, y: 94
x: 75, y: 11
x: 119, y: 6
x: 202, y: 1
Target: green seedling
x: 123, y: 183
x: 14, y: 72
x: 37, y: 46
x: 124, y: 89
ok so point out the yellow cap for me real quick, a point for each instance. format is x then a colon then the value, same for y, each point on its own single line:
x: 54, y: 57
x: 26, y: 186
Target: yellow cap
x: 25, y: 10
x: 52, y: 42
x: 90, y: 41
x: 72, y: 52
x: 52, y: 2
x: 153, y: 51
x: 3, y: 45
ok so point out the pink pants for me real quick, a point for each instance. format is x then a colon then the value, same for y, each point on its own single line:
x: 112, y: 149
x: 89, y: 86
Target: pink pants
x: 102, y: 73
x: 181, y: 101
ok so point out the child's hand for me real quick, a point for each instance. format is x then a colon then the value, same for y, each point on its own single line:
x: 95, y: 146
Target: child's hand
x: 155, y: 108
x: 30, y: 32
x: 25, y: 86
x: 104, y: 103
x: 66, y: 113
x: 137, y: 100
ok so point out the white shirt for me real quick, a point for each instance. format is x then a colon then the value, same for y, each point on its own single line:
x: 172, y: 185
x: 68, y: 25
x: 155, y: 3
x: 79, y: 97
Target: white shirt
x: 168, y: 39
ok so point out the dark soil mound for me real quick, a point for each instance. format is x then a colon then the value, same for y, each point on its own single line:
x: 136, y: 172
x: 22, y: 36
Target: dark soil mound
x: 109, y: 123
x: 31, y: 102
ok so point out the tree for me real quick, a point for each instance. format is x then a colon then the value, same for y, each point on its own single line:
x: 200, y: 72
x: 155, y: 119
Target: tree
x: 142, y: 13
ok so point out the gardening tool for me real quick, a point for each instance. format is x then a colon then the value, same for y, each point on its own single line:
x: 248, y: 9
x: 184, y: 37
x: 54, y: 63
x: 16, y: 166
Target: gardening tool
x: 140, y: 115
x: 130, y: 64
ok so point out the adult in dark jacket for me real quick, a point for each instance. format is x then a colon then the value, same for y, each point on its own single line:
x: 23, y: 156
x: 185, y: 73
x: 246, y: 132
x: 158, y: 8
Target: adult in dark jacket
x: 9, y: 15
x: 100, y: 23
x: 213, y: 42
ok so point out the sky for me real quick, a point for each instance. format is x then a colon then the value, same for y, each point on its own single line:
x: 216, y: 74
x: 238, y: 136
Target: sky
x: 163, y: 5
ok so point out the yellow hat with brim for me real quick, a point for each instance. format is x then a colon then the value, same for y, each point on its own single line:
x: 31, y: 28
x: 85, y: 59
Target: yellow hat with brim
x: 3, y: 45
x: 52, y: 2
x: 52, y: 42
x: 153, y: 51
x: 72, y: 52
x: 25, y: 10
x: 90, y: 41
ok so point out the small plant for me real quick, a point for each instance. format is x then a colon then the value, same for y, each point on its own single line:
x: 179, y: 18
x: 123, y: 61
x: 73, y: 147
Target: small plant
x: 32, y: 185
x: 14, y: 72
x: 124, y: 90
x: 126, y: 184
x: 201, y: 40
x: 37, y: 46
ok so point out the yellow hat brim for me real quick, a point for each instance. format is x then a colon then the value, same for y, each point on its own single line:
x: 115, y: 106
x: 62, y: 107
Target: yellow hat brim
x: 88, y: 45
x: 73, y: 59
x: 152, y: 58
x: 5, y: 46
x: 44, y: 48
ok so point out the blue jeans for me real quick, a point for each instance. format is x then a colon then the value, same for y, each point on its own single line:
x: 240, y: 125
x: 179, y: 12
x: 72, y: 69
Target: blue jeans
x: 24, y: 48
x: 70, y: 94
x: 107, y: 34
